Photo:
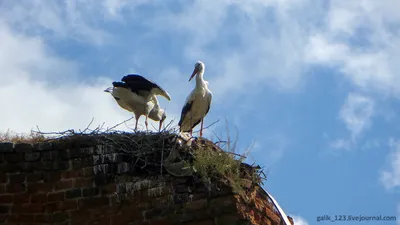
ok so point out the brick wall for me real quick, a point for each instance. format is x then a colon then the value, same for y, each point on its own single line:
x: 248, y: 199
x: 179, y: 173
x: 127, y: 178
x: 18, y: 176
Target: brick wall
x: 86, y: 183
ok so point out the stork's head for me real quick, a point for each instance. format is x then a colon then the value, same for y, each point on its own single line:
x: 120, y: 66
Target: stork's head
x: 158, y: 114
x: 198, y: 68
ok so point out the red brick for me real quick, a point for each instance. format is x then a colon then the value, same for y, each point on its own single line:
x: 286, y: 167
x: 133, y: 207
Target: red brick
x: 203, y: 222
x: 43, y: 218
x: 63, y: 184
x: 21, y: 198
x: 31, y: 208
x: 86, y: 172
x: 40, y: 187
x: 52, y: 207
x: 3, y: 178
x: 93, y: 202
x: 51, y: 176
x: 17, y: 178
x: 15, y: 188
x: 3, y: 218
x: 55, y: 197
x: 7, y: 198
x: 34, y: 177
x: 119, y: 219
x: 39, y: 198
x: 109, y: 188
x: 80, y: 217
x: 26, y: 218
x: 83, y: 182
x: 160, y: 222
x: 4, y: 209
x: 68, y: 204
x: 70, y: 174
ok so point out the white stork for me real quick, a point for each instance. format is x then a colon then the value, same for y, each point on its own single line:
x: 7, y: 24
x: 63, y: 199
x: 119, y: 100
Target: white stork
x: 138, y: 95
x: 197, y: 103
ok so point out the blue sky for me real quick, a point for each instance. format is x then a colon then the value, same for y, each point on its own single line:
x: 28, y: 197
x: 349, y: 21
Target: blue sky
x: 313, y: 84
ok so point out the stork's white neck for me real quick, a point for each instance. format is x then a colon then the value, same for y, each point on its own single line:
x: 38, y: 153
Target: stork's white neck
x: 199, y: 79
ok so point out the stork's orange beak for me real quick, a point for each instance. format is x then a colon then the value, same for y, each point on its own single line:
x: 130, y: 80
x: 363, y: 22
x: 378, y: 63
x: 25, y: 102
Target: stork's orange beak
x: 194, y: 73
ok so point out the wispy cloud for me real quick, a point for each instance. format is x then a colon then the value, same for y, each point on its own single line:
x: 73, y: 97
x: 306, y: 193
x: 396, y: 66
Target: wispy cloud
x: 390, y: 177
x: 356, y: 114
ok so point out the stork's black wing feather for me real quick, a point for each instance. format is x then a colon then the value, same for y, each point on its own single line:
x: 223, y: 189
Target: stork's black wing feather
x: 120, y: 84
x: 138, y: 83
x: 185, y: 110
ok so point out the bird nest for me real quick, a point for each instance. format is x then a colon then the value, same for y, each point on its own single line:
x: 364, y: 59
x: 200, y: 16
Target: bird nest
x: 164, y: 152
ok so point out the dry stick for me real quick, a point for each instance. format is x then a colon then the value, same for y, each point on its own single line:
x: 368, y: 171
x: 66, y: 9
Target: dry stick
x: 87, y: 126
x: 108, y: 129
x: 204, y: 128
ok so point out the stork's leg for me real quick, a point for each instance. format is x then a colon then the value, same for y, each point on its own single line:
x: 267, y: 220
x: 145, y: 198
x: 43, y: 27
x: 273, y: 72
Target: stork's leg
x: 201, y: 128
x: 136, y: 124
x: 191, y: 130
x: 147, y: 123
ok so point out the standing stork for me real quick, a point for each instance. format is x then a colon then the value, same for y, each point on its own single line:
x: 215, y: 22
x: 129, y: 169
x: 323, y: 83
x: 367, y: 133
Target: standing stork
x: 197, y: 103
x: 138, y: 95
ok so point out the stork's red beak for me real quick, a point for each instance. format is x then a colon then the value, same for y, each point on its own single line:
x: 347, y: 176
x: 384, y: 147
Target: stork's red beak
x: 194, y: 73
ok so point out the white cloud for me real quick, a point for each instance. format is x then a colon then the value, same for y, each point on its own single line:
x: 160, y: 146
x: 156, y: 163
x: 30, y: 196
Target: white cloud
x: 356, y: 114
x: 298, y: 220
x: 390, y: 177
x: 39, y: 88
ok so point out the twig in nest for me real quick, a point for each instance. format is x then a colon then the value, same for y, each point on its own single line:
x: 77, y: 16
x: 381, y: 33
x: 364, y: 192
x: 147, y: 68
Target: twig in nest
x: 204, y: 128
x: 109, y: 129
x: 87, y: 126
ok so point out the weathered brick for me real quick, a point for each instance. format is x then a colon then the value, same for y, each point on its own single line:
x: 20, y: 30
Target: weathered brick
x: 40, y: 187
x: 60, y: 217
x: 86, y: 172
x: 6, y: 147
x: 4, y: 209
x: 51, y: 176
x: 29, y: 208
x: 26, y: 218
x: 32, y: 156
x: 196, y: 205
x: 160, y: 222
x: 83, y: 182
x: 17, y: 178
x: 3, y: 178
x: 15, y: 188
x: 21, y: 198
x: 3, y: 217
x: 34, y: 177
x: 63, y: 184
x: 43, y: 146
x: 39, y: 197
x: 50, y: 156
x: 74, y: 193
x: 201, y: 222
x: 55, y: 197
x: 14, y: 157
x: 90, y: 192
x: 70, y: 174
x: 108, y: 189
x: 119, y: 219
x: 6, y: 198
x: 43, y: 218
x: 68, y: 204
x: 23, y: 147
x: 93, y: 202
